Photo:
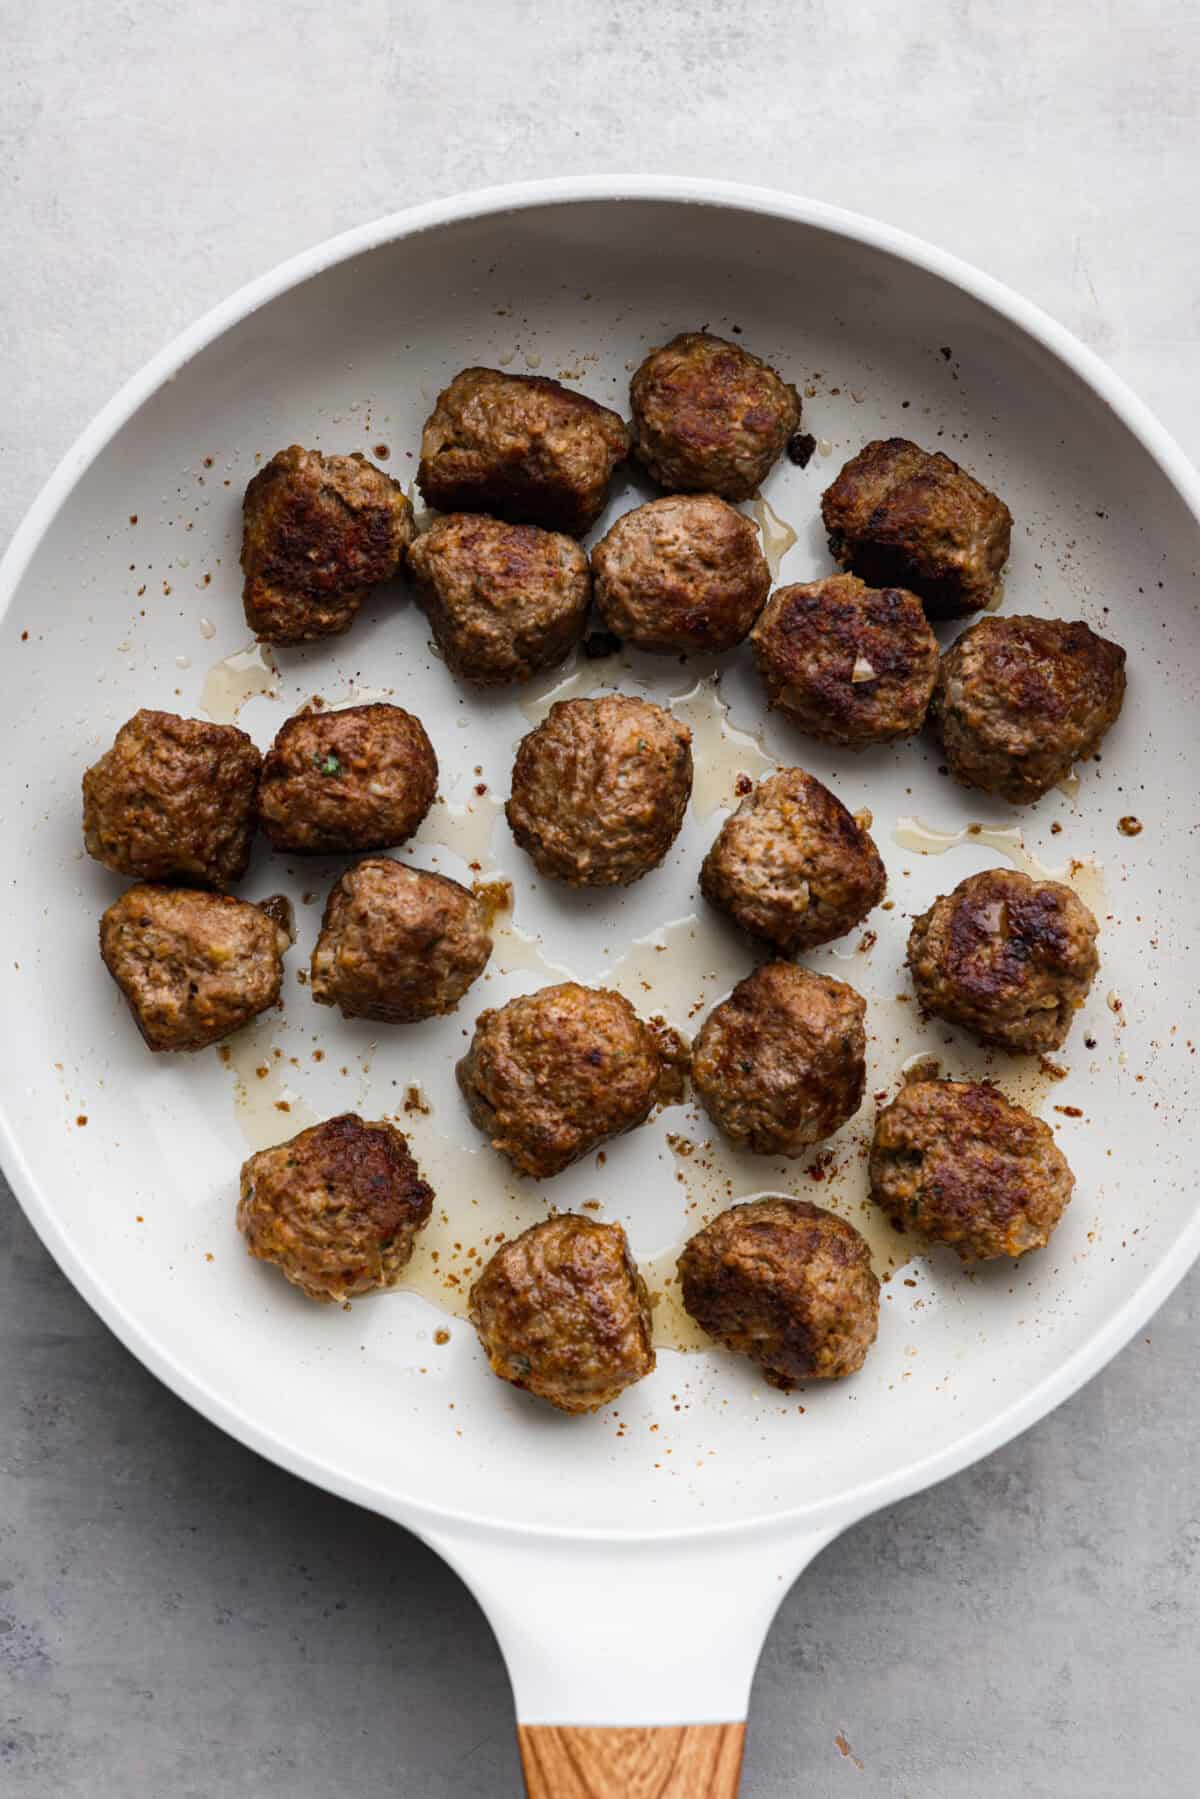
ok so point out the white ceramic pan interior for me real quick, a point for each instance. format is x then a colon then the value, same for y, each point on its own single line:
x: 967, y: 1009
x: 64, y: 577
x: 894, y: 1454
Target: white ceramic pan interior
x: 703, y: 1491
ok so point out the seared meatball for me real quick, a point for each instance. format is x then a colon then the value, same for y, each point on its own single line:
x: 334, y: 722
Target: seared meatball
x: 193, y: 966
x: 362, y: 778
x: 848, y: 663
x: 319, y: 532
x: 786, y: 1283
x: 792, y: 865
x: 521, y: 447
x: 779, y: 1065
x: 562, y: 1312
x: 336, y: 1208
x: 958, y: 1163
x: 599, y: 790
x: 1020, y: 700
x: 553, y: 1074
x: 901, y: 517
x: 683, y: 573
x: 173, y: 800
x: 502, y: 600
x: 397, y: 944
x: 708, y: 417
x: 1009, y: 958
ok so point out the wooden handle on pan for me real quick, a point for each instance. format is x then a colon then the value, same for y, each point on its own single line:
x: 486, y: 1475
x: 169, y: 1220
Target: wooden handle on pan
x: 693, y: 1761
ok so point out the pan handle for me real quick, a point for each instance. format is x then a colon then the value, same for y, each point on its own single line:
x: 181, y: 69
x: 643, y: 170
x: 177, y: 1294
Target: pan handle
x: 631, y: 1661
x: 688, y: 1761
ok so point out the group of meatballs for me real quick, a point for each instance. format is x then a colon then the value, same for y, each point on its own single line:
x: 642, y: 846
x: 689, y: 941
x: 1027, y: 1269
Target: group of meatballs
x: 518, y: 468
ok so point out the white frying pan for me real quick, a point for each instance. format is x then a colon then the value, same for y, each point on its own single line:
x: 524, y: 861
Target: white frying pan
x: 630, y: 1563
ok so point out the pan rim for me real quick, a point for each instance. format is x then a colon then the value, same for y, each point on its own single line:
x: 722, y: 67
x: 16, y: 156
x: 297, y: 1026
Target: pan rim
x: 1061, y: 1382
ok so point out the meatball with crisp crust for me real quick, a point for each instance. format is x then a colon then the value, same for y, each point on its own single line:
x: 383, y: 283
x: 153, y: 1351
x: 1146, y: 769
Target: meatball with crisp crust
x: 193, y: 966
x: 337, y: 1208
x: 173, y: 800
x: 960, y: 1164
x: 503, y: 601
x: 1009, y: 958
x: 522, y: 448
x: 398, y: 944
x: 792, y: 866
x: 684, y: 573
x: 319, y: 533
x: 786, y: 1283
x: 779, y: 1065
x: 554, y: 1074
x: 1020, y: 700
x: 599, y: 790
x: 847, y: 663
x: 562, y: 1312
x: 901, y: 517
x: 709, y: 417
x: 361, y: 778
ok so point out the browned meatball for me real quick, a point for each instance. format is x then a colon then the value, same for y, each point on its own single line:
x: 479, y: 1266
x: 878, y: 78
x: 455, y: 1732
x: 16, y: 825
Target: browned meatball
x: 1020, y: 700
x: 901, y: 517
x: 779, y: 1065
x: 193, y: 966
x: 848, y: 663
x: 958, y: 1163
x: 337, y: 1208
x: 786, y: 1283
x: 599, y: 790
x: 359, y: 779
x: 173, y: 800
x: 683, y: 573
x: 708, y: 417
x: 1009, y: 958
x: 792, y: 865
x: 502, y: 600
x: 521, y: 447
x: 553, y: 1074
x: 319, y: 532
x: 397, y: 944
x: 562, y: 1312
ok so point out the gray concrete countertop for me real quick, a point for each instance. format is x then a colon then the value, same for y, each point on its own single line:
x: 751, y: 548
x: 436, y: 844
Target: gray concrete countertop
x: 178, y: 1617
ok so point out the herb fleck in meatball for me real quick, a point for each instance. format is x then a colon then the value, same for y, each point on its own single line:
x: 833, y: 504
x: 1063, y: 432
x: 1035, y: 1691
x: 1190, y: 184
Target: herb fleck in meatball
x: 521, y: 447
x: 502, y: 600
x: 958, y: 1163
x: 900, y: 517
x: 1020, y: 700
x: 562, y: 1312
x: 683, y: 573
x: 599, y: 790
x: 780, y: 1065
x: 792, y: 866
x: 361, y: 778
x: 193, y: 966
x: 1009, y: 958
x: 553, y: 1074
x: 319, y: 533
x: 337, y: 1208
x: 173, y: 800
x: 397, y: 944
x: 847, y: 663
x: 708, y: 417
x: 787, y: 1284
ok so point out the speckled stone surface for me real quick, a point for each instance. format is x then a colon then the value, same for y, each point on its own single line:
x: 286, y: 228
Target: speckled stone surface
x: 176, y: 1616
